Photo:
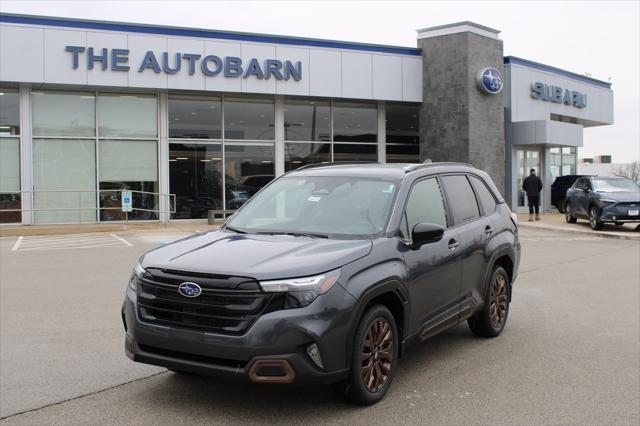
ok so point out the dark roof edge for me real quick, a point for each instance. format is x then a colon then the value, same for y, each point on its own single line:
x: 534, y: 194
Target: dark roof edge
x: 457, y: 24
x: 202, y: 33
x: 542, y: 67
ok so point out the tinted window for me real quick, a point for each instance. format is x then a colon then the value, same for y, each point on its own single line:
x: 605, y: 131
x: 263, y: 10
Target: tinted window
x: 462, y: 202
x: 425, y: 205
x: 485, y: 198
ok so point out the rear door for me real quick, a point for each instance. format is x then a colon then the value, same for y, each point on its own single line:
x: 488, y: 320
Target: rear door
x: 473, y: 230
x: 487, y: 228
x: 433, y: 270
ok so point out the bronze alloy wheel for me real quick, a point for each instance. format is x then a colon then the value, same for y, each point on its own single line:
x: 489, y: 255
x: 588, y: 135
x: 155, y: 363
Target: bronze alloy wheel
x: 377, y: 354
x: 498, y: 300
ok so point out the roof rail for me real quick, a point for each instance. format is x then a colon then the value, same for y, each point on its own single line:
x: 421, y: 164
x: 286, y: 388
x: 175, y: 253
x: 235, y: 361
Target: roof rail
x: 335, y: 163
x: 420, y: 166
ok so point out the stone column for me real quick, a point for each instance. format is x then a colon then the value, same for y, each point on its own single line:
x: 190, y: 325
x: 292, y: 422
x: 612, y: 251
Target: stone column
x: 458, y: 121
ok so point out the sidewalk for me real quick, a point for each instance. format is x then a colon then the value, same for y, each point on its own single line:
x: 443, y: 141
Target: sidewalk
x: 22, y: 230
x: 556, y: 222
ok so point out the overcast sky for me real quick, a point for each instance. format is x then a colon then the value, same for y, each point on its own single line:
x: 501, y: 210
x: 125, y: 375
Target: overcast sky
x: 599, y: 38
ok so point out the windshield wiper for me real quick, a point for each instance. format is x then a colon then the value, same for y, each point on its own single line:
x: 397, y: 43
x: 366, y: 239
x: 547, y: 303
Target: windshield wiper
x: 295, y: 234
x: 232, y: 229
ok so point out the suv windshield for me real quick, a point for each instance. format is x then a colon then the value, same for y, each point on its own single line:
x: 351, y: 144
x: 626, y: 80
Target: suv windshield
x: 615, y: 185
x: 339, y: 207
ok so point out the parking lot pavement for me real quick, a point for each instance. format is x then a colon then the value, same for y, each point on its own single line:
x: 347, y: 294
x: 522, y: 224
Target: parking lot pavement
x: 570, y: 353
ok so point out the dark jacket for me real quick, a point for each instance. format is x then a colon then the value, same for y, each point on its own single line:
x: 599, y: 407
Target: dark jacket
x: 532, y: 185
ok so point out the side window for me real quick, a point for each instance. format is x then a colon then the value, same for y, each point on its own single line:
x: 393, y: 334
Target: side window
x: 485, y: 198
x: 580, y: 183
x: 425, y: 205
x: 462, y: 201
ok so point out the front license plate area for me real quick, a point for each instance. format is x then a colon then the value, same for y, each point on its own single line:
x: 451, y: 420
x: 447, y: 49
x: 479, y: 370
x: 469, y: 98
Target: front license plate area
x: 634, y: 212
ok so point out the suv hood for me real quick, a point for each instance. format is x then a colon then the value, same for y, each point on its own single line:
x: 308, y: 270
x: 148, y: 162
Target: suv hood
x: 620, y: 196
x: 261, y: 257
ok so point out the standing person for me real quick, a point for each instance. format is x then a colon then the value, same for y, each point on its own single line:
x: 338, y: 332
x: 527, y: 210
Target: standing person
x: 532, y: 185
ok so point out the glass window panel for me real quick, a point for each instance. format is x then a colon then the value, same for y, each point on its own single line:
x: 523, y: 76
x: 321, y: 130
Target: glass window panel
x: 299, y: 154
x: 355, y: 122
x: 128, y: 160
x: 63, y: 114
x: 425, y: 205
x: 355, y: 152
x: 9, y: 179
x: 69, y: 166
x: 463, y: 205
x: 195, y: 177
x: 128, y: 165
x: 9, y: 165
x: 195, y: 118
x: 9, y: 112
x: 249, y: 119
x: 307, y: 120
x: 247, y: 170
x: 403, y: 153
x: 127, y: 116
x: 402, y: 123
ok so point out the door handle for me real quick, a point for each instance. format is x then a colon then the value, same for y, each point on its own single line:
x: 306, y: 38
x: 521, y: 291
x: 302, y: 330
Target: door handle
x: 488, y: 230
x: 453, y: 244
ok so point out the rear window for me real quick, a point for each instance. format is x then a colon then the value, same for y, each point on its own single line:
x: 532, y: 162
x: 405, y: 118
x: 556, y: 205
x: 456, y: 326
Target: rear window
x: 462, y: 201
x: 485, y: 198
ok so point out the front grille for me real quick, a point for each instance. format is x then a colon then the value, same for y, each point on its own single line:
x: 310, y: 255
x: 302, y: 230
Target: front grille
x: 227, y: 305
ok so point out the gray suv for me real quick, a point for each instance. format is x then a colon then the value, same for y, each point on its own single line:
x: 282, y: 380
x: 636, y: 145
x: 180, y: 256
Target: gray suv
x: 328, y: 275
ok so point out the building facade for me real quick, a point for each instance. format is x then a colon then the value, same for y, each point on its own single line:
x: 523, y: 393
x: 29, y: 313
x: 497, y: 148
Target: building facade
x: 183, y: 121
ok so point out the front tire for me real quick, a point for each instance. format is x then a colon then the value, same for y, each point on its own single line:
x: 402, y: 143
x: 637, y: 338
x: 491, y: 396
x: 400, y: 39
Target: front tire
x: 594, y: 219
x: 374, y: 358
x: 491, y: 320
x: 568, y: 214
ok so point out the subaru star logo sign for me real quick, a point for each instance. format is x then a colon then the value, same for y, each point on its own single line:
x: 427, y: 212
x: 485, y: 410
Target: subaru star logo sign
x: 489, y: 81
x: 189, y: 289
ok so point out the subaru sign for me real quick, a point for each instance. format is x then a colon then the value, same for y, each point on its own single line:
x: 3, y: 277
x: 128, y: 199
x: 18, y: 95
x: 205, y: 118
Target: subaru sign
x: 558, y: 95
x: 174, y: 63
x: 490, y: 81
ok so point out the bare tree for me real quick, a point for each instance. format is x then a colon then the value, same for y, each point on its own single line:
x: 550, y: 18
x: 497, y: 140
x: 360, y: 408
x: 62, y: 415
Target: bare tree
x: 631, y: 171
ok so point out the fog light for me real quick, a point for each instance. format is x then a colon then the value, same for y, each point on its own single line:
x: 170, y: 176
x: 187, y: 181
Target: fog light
x: 314, y: 354
x: 614, y: 218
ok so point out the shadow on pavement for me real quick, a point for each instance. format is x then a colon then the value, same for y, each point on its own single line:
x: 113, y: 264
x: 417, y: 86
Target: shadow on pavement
x: 248, y: 402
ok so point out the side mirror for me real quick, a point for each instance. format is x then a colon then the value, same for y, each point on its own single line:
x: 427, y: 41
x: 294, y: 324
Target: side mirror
x: 425, y: 233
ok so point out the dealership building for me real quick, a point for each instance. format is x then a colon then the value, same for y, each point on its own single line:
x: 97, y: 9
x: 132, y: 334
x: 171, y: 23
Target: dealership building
x: 181, y: 121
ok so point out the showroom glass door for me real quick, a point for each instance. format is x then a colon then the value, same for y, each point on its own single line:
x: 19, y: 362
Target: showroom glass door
x: 525, y: 160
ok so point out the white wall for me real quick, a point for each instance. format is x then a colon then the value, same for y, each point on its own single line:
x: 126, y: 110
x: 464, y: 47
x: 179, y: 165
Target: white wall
x: 523, y: 107
x: 36, y: 54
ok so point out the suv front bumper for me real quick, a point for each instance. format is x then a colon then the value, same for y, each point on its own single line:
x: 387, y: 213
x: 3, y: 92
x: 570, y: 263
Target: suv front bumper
x: 275, y: 345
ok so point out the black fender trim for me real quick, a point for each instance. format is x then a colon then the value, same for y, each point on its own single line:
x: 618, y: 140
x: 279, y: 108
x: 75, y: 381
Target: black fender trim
x: 387, y: 285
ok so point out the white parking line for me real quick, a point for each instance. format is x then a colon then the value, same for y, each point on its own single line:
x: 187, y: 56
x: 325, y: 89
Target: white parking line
x: 72, y: 247
x: 79, y: 241
x: 122, y: 240
x: 17, y: 243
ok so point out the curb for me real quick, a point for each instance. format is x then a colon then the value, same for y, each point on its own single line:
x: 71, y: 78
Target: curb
x: 600, y: 234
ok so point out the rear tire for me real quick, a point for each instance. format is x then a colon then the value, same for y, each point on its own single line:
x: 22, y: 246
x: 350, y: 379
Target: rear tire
x: 568, y: 214
x: 492, y: 319
x: 594, y: 219
x: 374, y: 357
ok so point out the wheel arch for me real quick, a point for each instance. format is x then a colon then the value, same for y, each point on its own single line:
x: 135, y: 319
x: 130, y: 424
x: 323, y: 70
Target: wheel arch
x: 389, y: 293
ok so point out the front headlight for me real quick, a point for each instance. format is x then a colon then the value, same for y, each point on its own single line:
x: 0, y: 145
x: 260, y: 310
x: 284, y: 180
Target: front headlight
x: 605, y: 202
x: 138, y: 271
x: 302, y: 291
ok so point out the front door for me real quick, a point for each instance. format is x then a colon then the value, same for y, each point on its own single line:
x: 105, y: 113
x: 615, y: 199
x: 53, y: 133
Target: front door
x: 526, y: 159
x: 434, y: 270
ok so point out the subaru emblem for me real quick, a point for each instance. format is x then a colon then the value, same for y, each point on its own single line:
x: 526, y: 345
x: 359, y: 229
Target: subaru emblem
x: 189, y: 289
